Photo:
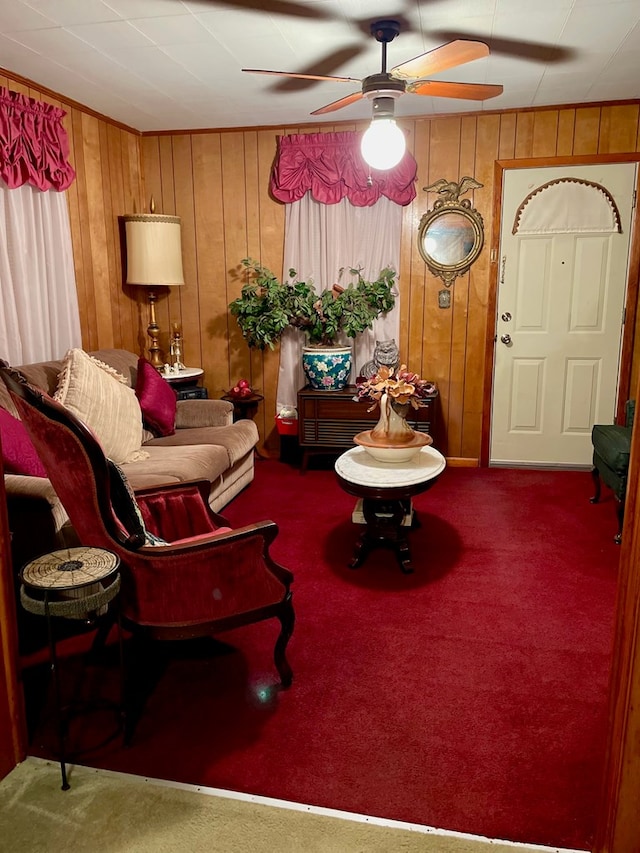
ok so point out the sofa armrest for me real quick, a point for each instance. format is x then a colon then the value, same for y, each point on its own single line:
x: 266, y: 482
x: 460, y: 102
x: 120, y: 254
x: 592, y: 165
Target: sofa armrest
x: 203, y: 413
x: 23, y: 489
x: 37, y: 520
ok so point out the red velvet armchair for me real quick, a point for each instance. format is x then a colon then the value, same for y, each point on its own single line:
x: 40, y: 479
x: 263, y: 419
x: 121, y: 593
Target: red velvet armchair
x: 204, y: 579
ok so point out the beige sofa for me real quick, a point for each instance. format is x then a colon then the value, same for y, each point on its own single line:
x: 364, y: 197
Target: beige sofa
x: 207, y: 444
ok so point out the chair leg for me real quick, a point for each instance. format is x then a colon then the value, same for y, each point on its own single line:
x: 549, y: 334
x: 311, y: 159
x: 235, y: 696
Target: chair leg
x: 620, y: 513
x: 105, y: 624
x: 595, y: 476
x: 287, y: 619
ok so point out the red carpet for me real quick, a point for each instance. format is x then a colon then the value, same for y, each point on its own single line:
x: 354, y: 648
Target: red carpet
x: 470, y: 695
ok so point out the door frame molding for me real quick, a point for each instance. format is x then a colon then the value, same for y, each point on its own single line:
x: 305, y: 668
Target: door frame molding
x: 631, y: 299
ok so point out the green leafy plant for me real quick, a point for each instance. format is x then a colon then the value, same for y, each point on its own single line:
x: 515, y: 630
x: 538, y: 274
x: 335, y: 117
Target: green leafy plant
x: 267, y: 306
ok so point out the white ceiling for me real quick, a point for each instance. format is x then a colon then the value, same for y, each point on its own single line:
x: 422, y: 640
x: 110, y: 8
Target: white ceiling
x: 176, y: 64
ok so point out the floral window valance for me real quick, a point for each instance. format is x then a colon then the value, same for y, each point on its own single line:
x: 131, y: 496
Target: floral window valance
x: 567, y: 205
x: 34, y: 147
x: 330, y: 167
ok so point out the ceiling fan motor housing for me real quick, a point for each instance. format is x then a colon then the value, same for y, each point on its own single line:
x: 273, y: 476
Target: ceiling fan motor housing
x: 382, y: 84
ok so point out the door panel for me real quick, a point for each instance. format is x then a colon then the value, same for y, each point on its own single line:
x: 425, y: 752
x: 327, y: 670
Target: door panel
x: 578, y: 414
x: 559, y: 326
x: 532, y: 294
x: 526, y: 395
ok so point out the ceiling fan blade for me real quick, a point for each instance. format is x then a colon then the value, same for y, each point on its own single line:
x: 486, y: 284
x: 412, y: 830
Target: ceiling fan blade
x: 465, y: 91
x: 277, y: 7
x: 337, y: 105
x: 440, y: 58
x: 520, y: 48
x: 303, y: 76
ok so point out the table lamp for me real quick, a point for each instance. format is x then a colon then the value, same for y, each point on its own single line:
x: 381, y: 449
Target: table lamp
x: 154, y: 259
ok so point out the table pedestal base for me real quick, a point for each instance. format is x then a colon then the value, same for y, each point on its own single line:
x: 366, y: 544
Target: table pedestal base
x: 386, y: 491
x: 386, y: 522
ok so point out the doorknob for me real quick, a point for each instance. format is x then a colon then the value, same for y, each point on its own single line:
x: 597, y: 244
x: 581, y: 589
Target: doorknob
x: 506, y: 339
x: 506, y: 316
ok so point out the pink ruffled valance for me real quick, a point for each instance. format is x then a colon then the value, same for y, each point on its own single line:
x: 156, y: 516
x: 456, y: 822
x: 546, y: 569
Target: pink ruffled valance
x: 34, y: 147
x: 331, y: 167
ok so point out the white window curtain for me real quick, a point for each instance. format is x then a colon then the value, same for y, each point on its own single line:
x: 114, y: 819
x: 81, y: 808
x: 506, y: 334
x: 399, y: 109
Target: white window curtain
x: 320, y: 239
x: 39, y: 315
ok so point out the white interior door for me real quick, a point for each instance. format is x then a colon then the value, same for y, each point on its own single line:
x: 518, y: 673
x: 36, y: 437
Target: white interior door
x: 559, y: 325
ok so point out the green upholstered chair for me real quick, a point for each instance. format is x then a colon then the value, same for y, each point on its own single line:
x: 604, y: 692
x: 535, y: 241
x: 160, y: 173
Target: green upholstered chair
x: 611, y: 448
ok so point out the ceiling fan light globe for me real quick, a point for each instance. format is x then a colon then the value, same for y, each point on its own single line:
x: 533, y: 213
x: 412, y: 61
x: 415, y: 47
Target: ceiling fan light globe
x: 383, y: 144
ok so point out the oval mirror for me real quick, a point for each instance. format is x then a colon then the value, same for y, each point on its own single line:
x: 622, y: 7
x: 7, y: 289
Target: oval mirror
x: 450, y: 238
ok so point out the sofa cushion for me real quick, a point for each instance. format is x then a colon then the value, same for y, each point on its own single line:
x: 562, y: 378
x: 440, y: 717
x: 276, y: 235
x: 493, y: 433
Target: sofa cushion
x: 177, y: 464
x: 18, y: 453
x: 157, y: 399
x: 238, y: 439
x: 102, y: 399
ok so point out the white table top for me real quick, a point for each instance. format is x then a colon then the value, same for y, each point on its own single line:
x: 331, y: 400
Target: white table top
x: 185, y: 373
x: 357, y: 466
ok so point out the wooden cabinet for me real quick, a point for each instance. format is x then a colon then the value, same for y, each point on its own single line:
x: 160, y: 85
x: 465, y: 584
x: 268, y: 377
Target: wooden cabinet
x: 328, y: 420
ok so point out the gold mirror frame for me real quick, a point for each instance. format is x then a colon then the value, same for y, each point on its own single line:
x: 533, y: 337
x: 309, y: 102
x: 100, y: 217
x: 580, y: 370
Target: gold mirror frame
x: 433, y: 236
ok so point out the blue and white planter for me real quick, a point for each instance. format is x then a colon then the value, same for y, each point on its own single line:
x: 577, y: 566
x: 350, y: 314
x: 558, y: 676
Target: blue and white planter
x: 327, y: 368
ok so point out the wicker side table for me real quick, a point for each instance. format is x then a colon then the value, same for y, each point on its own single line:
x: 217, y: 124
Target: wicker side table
x: 74, y: 583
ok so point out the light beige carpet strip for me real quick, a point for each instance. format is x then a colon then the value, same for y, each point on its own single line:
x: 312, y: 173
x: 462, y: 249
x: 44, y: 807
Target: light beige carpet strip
x: 116, y: 813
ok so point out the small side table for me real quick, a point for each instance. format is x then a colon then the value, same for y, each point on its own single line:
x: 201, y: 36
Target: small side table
x: 244, y: 408
x: 74, y: 583
x: 386, y: 490
x: 185, y: 383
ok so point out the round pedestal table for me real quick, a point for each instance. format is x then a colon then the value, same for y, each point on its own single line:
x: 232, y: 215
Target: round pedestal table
x: 385, y: 490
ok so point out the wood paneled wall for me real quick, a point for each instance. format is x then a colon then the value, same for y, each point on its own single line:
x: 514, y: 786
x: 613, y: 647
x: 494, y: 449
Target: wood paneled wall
x: 217, y: 182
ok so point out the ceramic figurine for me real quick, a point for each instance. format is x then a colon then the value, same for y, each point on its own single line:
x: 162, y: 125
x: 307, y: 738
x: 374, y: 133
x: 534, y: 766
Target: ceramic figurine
x: 385, y: 354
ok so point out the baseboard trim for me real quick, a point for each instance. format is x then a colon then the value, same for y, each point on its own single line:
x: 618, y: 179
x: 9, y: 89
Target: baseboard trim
x: 462, y: 462
x: 540, y: 466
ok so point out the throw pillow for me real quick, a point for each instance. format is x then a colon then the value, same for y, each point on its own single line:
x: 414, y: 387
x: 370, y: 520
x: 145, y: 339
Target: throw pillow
x: 102, y: 399
x: 157, y: 400
x: 18, y: 453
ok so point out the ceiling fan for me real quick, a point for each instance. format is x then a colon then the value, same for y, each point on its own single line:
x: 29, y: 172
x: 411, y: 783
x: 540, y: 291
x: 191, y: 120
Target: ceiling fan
x: 408, y: 77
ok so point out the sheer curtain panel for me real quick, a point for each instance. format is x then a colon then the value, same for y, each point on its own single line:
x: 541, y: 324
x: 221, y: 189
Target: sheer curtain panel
x: 319, y: 240
x: 339, y: 214
x: 39, y: 316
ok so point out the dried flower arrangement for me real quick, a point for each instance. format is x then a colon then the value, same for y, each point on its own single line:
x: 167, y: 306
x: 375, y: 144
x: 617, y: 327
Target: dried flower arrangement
x: 401, y: 386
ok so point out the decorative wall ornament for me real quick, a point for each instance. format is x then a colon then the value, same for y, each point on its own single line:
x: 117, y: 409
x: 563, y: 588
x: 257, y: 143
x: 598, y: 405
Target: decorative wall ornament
x: 451, y: 234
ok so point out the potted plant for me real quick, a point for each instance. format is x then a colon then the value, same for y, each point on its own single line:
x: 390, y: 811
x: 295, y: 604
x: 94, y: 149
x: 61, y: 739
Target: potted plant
x: 267, y: 306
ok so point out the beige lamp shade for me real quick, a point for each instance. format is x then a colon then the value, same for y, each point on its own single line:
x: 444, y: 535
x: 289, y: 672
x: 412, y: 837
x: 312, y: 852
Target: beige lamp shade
x: 154, y: 250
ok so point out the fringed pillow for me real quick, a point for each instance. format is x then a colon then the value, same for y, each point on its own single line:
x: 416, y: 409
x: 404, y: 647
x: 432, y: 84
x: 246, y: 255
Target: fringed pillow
x: 103, y: 400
